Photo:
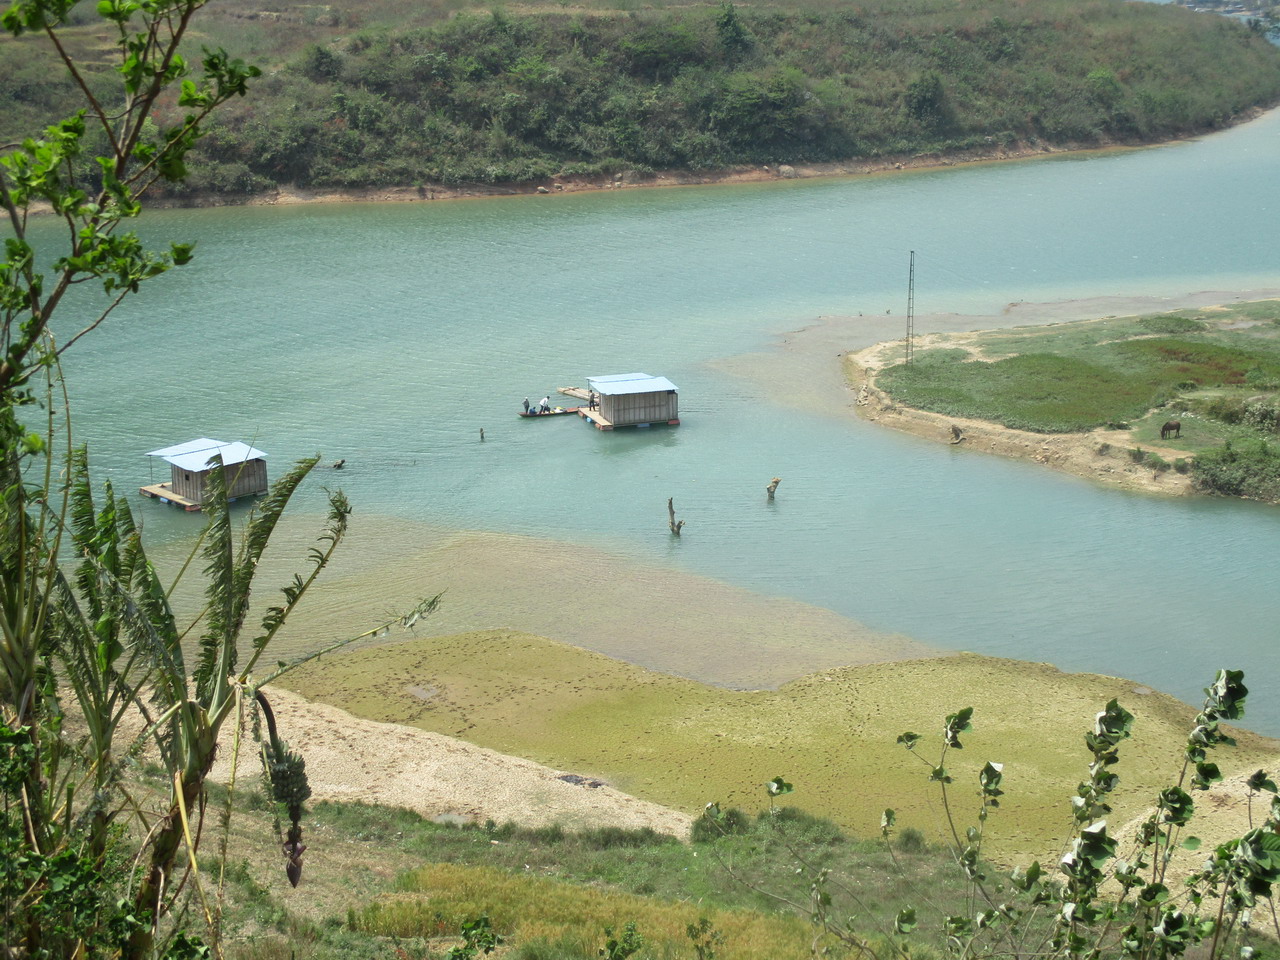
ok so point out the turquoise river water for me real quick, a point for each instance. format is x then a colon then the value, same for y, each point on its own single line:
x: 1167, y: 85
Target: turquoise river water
x: 389, y: 334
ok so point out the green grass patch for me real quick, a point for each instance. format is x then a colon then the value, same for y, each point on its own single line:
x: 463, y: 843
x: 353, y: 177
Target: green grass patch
x: 553, y: 895
x: 1040, y: 392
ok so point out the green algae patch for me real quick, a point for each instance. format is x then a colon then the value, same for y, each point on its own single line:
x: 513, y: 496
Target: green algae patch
x: 832, y: 734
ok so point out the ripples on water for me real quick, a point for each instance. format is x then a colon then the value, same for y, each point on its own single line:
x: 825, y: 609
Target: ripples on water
x: 389, y: 335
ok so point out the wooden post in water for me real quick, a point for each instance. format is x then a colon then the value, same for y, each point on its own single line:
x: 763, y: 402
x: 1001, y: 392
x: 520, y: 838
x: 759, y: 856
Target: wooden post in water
x: 482, y: 434
x: 772, y: 488
x: 911, y: 311
x: 671, y: 513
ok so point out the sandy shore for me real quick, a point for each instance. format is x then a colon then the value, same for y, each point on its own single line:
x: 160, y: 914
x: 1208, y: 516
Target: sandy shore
x: 440, y: 777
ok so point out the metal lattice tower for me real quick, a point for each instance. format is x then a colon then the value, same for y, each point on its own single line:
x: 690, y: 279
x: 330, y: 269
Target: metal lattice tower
x: 911, y: 309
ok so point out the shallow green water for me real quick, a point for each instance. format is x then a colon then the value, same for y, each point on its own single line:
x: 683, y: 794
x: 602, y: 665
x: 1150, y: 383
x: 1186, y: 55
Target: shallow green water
x: 390, y: 334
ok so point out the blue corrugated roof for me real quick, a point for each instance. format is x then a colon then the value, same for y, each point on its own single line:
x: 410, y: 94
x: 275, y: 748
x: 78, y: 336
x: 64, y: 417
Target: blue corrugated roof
x: 194, y: 455
x: 622, y: 383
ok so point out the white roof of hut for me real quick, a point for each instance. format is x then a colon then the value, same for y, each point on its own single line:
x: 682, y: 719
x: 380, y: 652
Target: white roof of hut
x: 624, y: 383
x: 194, y: 455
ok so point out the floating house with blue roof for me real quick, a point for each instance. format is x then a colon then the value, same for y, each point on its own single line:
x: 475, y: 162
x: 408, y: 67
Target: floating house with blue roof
x: 632, y: 400
x: 189, y: 468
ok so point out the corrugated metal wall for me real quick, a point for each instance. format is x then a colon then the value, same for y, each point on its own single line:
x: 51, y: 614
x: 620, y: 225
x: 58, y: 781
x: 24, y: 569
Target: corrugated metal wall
x: 244, y: 479
x: 640, y: 408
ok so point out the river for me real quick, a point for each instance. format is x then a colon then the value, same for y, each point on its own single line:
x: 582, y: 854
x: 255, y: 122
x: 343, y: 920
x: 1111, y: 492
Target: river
x: 389, y: 334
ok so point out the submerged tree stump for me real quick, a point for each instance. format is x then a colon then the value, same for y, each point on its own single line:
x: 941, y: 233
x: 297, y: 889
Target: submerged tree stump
x: 671, y: 514
x: 772, y: 488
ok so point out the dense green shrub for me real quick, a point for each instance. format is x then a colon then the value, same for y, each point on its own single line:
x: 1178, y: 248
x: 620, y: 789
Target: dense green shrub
x: 1240, y: 469
x: 800, y: 825
x: 1171, y: 323
x: 1263, y: 414
x: 715, y: 823
x: 1226, y: 409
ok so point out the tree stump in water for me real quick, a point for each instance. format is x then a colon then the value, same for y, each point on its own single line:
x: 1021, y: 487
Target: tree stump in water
x: 671, y: 513
x: 772, y: 488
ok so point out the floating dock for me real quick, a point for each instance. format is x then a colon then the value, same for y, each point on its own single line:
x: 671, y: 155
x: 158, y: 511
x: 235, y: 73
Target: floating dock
x: 164, y: 493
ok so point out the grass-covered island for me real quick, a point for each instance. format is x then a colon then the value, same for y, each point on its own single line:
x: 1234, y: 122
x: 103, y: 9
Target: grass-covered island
x: 1188, y: 400
x: 367, y: 96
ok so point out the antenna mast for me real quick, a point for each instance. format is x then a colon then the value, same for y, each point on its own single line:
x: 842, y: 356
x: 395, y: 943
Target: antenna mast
x: 911, y: 309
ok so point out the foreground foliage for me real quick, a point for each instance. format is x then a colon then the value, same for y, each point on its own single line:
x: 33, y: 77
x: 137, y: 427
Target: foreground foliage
x: 1109, y: 895
x: 96, y: 668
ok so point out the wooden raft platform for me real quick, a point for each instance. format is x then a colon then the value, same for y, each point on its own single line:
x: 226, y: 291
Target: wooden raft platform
x: 597, y: 420
x: 164, y: 492
x: 578, y: 393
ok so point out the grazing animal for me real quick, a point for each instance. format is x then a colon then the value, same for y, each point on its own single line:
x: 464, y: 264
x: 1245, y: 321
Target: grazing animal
x: 1172, y: 428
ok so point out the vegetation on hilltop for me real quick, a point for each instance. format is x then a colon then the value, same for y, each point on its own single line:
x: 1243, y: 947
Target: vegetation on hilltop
x: 1216, y: 371
x: 495, y: 97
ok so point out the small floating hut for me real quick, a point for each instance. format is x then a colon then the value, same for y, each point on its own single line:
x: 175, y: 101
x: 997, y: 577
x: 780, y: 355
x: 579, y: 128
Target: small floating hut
x: 632, y: 400
x: 246, y: 471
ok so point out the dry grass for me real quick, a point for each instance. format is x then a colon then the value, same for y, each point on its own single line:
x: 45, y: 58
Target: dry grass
x: 436, y: 899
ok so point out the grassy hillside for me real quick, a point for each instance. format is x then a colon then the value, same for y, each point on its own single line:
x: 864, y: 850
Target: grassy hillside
x: 833, y: 734
x: 385, y: 882
x: 370, y: 95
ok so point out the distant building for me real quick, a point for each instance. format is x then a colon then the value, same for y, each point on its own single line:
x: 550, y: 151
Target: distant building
x: 246, y: 471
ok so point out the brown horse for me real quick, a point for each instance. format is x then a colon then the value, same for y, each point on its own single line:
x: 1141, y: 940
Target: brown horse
x: 1172, y: 428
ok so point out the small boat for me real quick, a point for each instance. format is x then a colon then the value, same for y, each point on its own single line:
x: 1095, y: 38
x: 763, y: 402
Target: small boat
x: 553, y: 412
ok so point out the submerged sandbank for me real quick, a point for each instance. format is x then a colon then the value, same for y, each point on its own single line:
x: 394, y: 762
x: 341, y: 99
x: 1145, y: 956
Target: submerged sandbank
x: 662, y: 619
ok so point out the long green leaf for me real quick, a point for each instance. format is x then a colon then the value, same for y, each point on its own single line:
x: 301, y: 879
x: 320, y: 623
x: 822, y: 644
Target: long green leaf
x: 219, y: 551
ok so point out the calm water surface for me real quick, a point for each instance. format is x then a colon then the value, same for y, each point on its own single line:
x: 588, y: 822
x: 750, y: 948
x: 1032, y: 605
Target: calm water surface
x: 389, y: 334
